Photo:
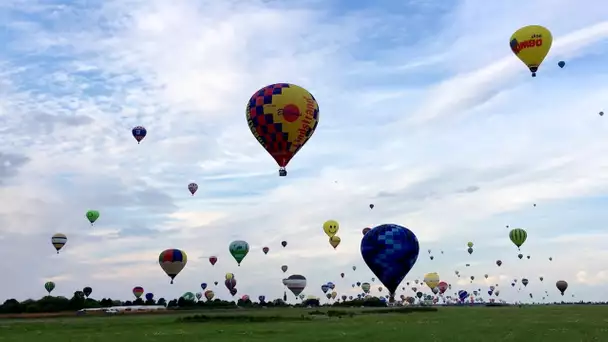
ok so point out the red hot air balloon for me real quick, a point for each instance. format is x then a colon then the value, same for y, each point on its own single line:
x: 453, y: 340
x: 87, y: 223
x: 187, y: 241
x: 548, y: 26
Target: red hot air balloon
x: 192, y: 187
x: 212, y: 260
x: 265, y: 250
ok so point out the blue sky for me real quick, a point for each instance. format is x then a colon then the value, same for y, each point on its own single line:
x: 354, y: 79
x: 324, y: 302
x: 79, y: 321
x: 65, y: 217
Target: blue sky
x: 419, y: 101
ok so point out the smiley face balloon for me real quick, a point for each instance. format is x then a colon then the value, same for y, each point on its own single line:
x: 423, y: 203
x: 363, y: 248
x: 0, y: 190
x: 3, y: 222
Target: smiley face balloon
x: 331, y: 227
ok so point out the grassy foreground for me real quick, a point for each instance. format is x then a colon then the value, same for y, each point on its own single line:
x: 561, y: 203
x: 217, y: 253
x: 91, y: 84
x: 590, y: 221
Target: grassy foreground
x: 543, y: 323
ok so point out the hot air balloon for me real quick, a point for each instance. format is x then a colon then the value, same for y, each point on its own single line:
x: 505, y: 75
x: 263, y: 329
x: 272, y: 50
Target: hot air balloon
x: 204, y: 286
x: 525, y: 282
x: 172, y: 261
x: 334, y: 294
x: 431, y: 280
x: 498, y: 262
x: 541, y: 278
x: 262, y: 299
x: 342, y: 275
x: 212, y: 260
x: 284, y: 268
x: 531, y: 45
x: 470, y: 244
x: 282, y: 117
x: 149, y: 296
x: 470, y: 250
x: 199, y: 295
x: 87, y: 291
x: 520, y: 255
x: 486, y: 276
x: 295, y: 283
x: 139, y: 133
x: 550, y: 259
x: 284, y: 244
x: 239, y: 250
x: 138, y: 291
x: 601, y: 113
x: 354, y: 268
x: 189, y: 296
x: 233, y: 291
x: 462, y: 294
x: 215, y: 283
x: 209, y: 295
x: 442, y: 286
x: 390, y: 251
x: 49, y: 286
x: 518, y: 236
x: 331, y: 285
x: 230, y: 283
x: 265, y: 250
x: 561, y: 285
x: 59, y: 240
x: 245, y: 298
x: 92, y: 216
x: 365, y: 287
x: 192, y: 187
x: 334, y: 241
x: 331, y: 227
x: 324, y: 288
x: 365, y: 230
x: 371, y: 206
x: 561, y: 64
x: 229, y: 276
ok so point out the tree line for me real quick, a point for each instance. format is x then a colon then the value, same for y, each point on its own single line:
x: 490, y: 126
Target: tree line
x: 51, y: 304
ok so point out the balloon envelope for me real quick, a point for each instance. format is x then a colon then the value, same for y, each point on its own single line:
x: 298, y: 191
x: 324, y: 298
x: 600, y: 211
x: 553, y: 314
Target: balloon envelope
x: 282, y: 117
x: 172, y: 261
x: 295, y: 283
x: 390, y: 251
x: 531, y: 44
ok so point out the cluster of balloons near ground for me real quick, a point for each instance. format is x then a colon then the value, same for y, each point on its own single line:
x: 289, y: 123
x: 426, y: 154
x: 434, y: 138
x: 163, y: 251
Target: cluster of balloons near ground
x: 283, y: 117
x: 390, y: 251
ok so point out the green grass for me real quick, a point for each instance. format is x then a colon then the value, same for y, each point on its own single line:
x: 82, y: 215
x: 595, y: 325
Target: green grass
x: 542, y: 323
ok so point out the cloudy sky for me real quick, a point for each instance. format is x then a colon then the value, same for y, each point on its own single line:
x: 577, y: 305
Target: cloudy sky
x: 425, y: 112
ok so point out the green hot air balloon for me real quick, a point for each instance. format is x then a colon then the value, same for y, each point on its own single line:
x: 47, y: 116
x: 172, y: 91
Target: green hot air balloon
x: 92, y: 216
x: 188, y: 296
x: 49, y: 286
x: 518, y: 236
x: 239, y: 250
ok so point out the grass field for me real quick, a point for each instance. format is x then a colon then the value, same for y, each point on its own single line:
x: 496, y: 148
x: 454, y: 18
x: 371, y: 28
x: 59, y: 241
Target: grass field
x: 542, y: 323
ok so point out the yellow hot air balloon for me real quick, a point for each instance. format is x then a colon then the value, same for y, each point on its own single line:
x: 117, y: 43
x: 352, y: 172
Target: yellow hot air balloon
x: 431, y: 280
x: 229, y: 276
x: 334, y: 294
x: 334, y: 241
x: 331, y: 227
x: 470, y: 244
x: 531, y: 45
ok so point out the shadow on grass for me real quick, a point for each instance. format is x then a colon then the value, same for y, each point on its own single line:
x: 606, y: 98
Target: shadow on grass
x: 316, y: 314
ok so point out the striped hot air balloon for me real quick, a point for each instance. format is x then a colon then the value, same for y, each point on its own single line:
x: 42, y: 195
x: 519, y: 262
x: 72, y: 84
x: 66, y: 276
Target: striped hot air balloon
x: 295, y: 283
x: 518, y: 236
x: 59, y: 240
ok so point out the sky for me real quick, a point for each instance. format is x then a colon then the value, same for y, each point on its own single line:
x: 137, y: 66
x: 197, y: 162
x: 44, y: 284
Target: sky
x: 424, y: 112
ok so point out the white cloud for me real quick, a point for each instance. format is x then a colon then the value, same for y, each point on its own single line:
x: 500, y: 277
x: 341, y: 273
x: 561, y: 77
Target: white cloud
x: 498, y: 142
